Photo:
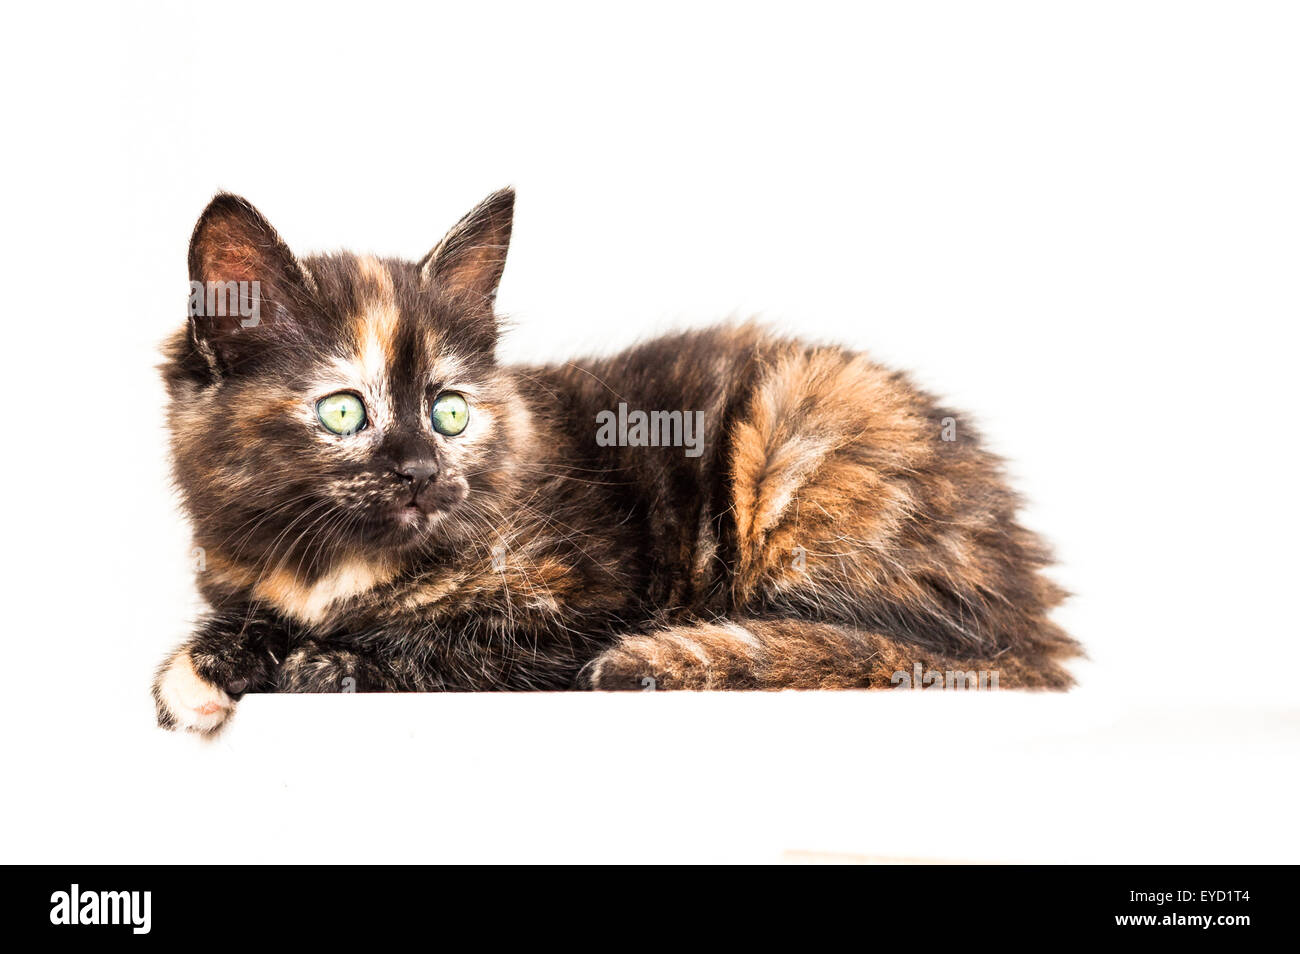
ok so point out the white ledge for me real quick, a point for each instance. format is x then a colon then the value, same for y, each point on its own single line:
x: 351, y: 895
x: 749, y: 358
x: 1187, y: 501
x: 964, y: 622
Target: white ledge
x: 886, y: 776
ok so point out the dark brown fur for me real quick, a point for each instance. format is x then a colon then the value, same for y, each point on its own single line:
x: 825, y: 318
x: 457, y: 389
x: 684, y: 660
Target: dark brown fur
x: 839, y: 526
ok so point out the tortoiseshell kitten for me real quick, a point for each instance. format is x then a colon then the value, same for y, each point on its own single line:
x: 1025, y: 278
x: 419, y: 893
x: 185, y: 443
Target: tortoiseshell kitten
x: 381, y: 506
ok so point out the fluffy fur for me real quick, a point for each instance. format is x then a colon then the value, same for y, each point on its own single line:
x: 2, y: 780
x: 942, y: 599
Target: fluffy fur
x: 839, y: 526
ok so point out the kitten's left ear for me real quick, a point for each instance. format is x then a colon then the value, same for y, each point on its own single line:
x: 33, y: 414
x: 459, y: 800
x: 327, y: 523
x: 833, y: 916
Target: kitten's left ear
x: 470, y: 258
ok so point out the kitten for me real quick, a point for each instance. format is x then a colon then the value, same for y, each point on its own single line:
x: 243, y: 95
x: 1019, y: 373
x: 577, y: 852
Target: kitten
x: 380, y: 505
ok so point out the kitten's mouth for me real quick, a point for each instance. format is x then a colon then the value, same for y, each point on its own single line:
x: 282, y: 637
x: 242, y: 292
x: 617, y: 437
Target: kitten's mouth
x: 405, y: 520
x: 401, y: 523
x: 409, y: 512
x: 414, y: 515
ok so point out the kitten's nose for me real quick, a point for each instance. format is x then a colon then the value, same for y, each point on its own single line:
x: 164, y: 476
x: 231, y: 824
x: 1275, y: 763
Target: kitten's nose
x: 418, y: 471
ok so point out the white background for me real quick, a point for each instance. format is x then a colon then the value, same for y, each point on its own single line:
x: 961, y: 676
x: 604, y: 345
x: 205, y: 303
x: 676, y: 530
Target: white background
x: 1078, y: 222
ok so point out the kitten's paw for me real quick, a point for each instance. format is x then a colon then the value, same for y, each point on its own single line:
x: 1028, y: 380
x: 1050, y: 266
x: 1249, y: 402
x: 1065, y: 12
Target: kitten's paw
x: 643, y: 664
x: 313, y: 668
x: 185, y: 700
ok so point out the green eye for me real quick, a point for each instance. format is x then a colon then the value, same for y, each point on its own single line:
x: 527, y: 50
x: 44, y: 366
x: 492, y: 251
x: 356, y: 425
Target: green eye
x: 450, y: 413
x: 342, y: 413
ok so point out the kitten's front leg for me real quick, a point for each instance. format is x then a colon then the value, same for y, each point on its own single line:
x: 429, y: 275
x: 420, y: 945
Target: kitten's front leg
x: 331, y: 667
x: 232, y: 652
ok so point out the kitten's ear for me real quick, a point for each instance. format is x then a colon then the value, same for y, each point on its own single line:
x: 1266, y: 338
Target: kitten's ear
x: 246, y: 287
x: 470, y: 259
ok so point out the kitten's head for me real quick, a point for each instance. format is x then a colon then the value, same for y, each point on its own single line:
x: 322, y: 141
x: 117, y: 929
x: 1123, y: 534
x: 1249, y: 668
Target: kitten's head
x: 340, y: 406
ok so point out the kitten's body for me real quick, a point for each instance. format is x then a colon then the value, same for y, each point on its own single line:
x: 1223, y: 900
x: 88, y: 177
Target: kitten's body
x: 836, y: 528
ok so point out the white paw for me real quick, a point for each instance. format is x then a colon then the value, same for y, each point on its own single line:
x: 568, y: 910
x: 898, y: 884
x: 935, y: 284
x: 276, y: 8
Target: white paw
x: 189, y: 700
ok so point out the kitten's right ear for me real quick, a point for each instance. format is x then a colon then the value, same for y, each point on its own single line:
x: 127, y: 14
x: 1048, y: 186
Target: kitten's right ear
x: 246, y: 287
